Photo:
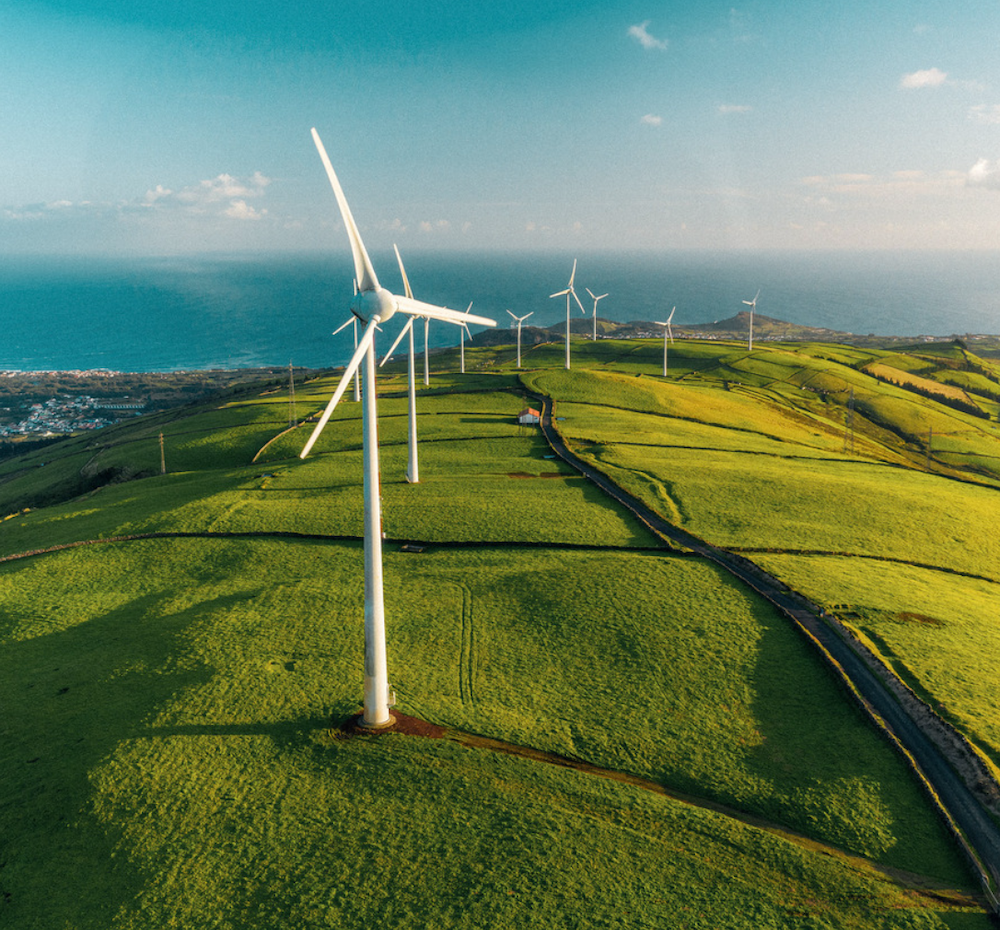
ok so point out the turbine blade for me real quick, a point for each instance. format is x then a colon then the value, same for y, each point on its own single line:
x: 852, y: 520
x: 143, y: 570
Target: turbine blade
x: 527, y: 315
x: 672, y: 312
x: 350, y: 320
x: 560, y: 293
x: 512, y: 315
x: 434, y: 312
x: 402, y: 271
x: 364, y: 272
x: 399, y: 339
x: 345, y: 380
x: 572, y: 275
x: 592, y: 294
x: 577, y: 299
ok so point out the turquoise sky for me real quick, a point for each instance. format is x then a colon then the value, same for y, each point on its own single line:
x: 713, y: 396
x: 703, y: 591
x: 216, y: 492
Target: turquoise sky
x: 164, y: 126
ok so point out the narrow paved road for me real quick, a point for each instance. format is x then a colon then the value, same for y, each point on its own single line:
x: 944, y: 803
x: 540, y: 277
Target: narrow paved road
x: 978, y: 832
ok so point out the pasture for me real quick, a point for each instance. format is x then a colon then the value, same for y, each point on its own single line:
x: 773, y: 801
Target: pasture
x: 169, y: 702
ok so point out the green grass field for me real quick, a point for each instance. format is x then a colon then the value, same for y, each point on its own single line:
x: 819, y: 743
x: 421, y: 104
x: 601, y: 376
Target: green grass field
x: 167, y: 702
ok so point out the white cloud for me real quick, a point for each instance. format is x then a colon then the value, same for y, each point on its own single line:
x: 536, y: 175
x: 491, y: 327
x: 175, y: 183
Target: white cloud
x: 650, y: 120
x: 984, y: 174
x: 640, y: 34
x: 987, y: 115
x: 426, y: 226
x: 931, y: 77
x: 734, y: 108
x: 224, y: 187
x: 158, y: 193
x: 241, y: 210
x: 221, y: 197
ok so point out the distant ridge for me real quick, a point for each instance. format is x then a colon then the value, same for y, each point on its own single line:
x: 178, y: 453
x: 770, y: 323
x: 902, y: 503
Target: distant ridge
x: 766, y: 329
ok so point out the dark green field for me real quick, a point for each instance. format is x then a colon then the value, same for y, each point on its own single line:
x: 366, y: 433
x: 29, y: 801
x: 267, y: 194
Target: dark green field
x: 632, y: 739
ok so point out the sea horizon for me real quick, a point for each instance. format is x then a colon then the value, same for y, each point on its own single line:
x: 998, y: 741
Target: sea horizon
x: 248, y: 310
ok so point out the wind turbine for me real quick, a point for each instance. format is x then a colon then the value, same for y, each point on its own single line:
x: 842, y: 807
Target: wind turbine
x: 372, y: 304
x: 465, y: 329
x: 667, y: 334
x: 357, y: 375
x: 520, y: 320
x: 752, y: 304
x: 596, y: 298
x: 412, y: 468
x: 569, y: 290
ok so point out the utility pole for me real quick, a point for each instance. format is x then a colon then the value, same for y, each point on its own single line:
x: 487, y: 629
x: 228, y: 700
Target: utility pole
x: 163, y: 460
x: 293, y: 419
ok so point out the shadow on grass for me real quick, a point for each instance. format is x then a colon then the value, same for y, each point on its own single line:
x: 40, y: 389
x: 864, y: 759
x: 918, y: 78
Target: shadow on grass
x: 834, y: 775
x: 69, y: 699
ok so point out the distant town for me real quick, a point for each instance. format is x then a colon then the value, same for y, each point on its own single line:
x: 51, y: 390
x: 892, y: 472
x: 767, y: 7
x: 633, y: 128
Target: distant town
x: 40, y: 405
x: 63, y: 414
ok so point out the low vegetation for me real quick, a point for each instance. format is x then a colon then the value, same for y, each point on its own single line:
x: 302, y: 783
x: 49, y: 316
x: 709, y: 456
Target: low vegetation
x: 169, y: 701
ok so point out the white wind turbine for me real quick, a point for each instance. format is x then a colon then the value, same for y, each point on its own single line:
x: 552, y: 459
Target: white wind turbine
x: 520, y: 320
x: 752, y: 304
x: 357, y: 375
x: 465, y: 331
x: 668, y: 333
x: 372, y: 304
x: 596, y: 298
x: 569, y: 291
x: 412, y: 467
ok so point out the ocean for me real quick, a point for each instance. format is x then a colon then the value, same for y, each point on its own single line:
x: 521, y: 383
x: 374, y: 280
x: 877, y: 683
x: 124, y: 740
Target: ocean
x: 193, y: 313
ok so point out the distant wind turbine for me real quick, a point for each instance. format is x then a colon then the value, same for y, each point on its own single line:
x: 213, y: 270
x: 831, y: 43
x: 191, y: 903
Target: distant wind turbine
x: 373, y: 304
x: 357, y: 375
x: 464, y: 332
x: 667, y: 334
x: 752, y: 304
x: 412, y: 466
x: 596, y: 298
x: 520, y: 320
x: 569, y: 291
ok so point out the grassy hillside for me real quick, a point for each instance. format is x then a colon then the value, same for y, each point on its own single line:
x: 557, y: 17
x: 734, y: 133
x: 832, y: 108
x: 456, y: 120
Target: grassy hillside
x: 168, y: 701
x: 775, y: 471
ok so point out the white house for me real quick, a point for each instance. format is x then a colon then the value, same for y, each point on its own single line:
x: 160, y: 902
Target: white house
x: 529, y: 415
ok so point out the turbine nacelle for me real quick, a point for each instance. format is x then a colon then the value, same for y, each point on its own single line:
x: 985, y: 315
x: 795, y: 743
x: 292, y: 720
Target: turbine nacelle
x: 376, y: 304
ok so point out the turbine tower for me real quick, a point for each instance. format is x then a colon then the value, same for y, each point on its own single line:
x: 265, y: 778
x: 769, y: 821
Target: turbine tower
x: 520, y: 320
x: 667, y: 334
x: 596, y: 298
x: 569, y: 291
x: 752, y: 304
x: 464, y: 332
x: 372, y: 304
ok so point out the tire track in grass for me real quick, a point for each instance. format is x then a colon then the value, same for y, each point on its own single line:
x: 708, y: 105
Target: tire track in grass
x: 466, y: 664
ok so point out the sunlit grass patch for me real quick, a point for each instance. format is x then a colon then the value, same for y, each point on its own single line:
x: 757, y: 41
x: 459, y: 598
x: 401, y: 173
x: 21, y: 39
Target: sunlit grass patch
x: 198, y: 650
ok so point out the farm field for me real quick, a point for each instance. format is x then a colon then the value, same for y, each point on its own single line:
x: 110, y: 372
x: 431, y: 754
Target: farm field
x: 171, y: 699
x: 875, y: 534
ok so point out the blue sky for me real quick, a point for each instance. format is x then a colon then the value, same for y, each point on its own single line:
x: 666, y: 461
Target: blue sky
x: 155, y: 127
